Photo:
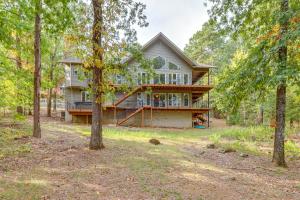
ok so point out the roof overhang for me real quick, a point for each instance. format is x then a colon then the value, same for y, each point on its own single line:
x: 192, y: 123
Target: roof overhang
x: 71, y: 60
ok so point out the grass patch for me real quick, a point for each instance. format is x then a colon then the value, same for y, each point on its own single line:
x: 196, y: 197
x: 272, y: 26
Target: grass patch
x: 26, y: 189
x: 250, y: 139
x: 292, y: 150
x: 9, y: 132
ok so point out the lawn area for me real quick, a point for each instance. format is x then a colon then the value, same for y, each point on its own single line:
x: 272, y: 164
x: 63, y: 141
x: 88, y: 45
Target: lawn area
x: 60, y: 165
x: 13, y: 135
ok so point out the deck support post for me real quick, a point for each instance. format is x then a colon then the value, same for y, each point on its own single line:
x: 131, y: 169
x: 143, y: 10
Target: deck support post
x: 87, y: 119
x: 115, y: 115
x: 142, y: 125
x: 151, y: 116
x: 208, y: 82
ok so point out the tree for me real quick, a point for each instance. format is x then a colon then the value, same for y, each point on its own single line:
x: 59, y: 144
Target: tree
x: 265, y: 60
x: 112, y: 34
x: 96, y: 132
x: 37, y: 70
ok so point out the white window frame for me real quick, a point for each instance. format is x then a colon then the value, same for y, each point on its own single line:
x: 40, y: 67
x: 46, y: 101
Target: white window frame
x: 85, y: 94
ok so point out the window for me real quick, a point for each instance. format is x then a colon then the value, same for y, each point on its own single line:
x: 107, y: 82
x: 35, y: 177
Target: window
x: 174, y: 100
x: 159, y: 62
x: 162, y: 79
x: 85, y: 96
x: 148, y: 99
x: 172, y: 66
x: 143, y: 78
x: 159, y: 100
x: 139, y: 79
x: 118, y: 79
x: 139, y: 99
x: 156, y: 79
x: 159, y: 79
x: 185, y: 99
x: 174, y: 79
x: 74, y: 71
x: 185, y: 79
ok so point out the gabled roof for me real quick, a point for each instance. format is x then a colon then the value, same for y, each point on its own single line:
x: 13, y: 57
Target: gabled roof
x: 160, y: 36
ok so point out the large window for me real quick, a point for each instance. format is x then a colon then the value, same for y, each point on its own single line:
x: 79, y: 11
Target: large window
x: 85, y: 96
x: 174, y: 100
x: 159, y: 62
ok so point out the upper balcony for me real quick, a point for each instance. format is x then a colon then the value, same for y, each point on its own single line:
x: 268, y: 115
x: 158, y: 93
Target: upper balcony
x: 75, y: 77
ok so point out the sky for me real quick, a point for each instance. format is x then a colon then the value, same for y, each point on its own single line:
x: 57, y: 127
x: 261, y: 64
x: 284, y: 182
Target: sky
x: 177, y: 19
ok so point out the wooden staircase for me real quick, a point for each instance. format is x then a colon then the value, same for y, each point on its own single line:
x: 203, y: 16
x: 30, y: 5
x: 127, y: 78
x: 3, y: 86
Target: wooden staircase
x: 128, y: 95
x: 131, y: 115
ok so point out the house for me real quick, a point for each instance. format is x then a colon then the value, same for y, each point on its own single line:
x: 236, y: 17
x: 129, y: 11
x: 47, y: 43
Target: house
x: 178, y: 95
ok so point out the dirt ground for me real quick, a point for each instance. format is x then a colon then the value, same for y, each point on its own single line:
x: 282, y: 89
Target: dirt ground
x: 131, y: 170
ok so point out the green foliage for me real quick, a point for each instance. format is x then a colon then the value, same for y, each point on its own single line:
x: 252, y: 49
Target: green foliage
x: 18, y: 118
x: 292, y: 150
x: 253, y: 134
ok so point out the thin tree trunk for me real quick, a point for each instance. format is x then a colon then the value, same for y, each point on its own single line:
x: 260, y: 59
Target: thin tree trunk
x: 260, y: 119
x: 49, y: 102
x: 37, y: 71
x: 96, y: 130
x: 54, y: 99
x: 278, y: 153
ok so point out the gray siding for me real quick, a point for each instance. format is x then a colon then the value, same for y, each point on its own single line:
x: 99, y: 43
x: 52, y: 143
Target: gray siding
x: 74, y: 79
x: 166, y: 119
x: 160, y: 49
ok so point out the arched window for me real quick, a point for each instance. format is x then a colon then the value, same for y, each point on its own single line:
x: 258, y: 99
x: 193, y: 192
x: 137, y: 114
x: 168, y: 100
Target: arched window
x: 159, y: 62
x: 173, y: 66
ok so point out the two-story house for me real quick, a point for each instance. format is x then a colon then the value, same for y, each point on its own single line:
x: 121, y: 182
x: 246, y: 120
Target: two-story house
x: 174, y: 97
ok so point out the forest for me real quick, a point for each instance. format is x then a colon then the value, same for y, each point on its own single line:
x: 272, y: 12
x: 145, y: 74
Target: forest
x: 254, y: 48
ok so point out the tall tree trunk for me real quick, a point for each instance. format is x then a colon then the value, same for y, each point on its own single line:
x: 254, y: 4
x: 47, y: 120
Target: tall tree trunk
x: 96, y: 130
x: 37, y: 70
x: 54, y: 99
x: 20, y: 108
x: 278, y: 153
x: 18, y: 51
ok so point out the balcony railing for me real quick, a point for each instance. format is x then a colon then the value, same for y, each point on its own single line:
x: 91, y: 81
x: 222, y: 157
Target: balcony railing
x: 201, y: 104
x: 79, y: 106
